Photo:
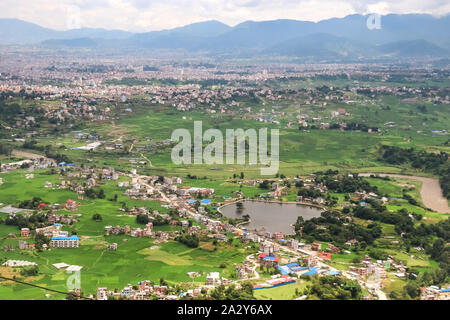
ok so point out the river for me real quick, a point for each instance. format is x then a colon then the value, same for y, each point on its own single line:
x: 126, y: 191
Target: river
x: 431, y: 192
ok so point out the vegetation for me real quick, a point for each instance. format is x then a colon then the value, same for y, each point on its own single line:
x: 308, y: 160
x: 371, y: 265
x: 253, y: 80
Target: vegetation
x: 232, y: 293
x: 332, y: 288
x: 436, y: 163
x: 191, y: 241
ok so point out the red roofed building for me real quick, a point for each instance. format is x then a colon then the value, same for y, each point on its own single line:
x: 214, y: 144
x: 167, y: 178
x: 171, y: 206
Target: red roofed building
x: 325, y: 255
x: 262, y: 256
x: 71, y: 205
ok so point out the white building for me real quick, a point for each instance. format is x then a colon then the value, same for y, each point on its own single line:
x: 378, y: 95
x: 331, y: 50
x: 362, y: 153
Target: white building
x: 65, y: 242
x: 212, y: 278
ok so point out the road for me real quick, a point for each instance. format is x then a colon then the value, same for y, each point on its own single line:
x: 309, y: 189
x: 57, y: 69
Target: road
x: 251, y: 259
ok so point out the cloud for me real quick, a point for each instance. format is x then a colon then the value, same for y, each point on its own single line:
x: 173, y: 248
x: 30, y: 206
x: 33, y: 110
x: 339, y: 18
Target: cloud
x: 147, y: 15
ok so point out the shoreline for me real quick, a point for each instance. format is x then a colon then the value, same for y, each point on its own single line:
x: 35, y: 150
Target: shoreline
x: 273, y: 201
x: 269, y: 201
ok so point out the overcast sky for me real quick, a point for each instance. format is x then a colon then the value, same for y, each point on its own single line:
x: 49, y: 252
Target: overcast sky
x: 148, y: 15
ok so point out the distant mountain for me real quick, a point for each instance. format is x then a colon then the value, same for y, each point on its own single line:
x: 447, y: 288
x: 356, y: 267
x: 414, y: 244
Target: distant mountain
x: 321, y: 45
x: 340, y: 38
x: 412, y: 48
x: 252, y: 34
x: 188, y: 37
x: 15, y: 31
x: 210, y: 28
x: 394, y: 27
x: 254, y: 37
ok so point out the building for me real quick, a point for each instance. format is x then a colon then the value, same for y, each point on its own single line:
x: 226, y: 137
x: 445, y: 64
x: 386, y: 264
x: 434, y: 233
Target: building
x: 212, y: 278
x: 325, y: 255
x: 71, y: 205
x: 25, y: 232
x: 112, y: 246
x: 278, y: 235
x: 23, y: 245
x: 102, y: 294
x: 65, y: 242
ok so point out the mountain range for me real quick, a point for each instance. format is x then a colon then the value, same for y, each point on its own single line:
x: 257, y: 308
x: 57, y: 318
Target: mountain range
x: 409, y: 35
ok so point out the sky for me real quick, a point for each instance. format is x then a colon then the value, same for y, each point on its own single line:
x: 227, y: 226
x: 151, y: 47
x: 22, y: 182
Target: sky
x: 149, y: 15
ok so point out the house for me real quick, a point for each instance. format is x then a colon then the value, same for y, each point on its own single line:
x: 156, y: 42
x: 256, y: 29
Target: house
x: 91, y: 182
x: 278, y: 235
x: 112, y: 246
x: 351, y: 242
x: 333, y: 248
x: 102, y: 294
x: 212, y: 278
x: 25, y: 232
x: 325, y: 255
x: 220, y: 236
x: 294, y: 244
x: 127, y: 291
x: 71, y: 205
x: 23, y: 245
x: 244, y: 271
x: 268, y: 260
x: 65, y: 242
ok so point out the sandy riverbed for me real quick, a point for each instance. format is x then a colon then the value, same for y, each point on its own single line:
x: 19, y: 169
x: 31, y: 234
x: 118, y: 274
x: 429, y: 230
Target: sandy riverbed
x: 430, y: 192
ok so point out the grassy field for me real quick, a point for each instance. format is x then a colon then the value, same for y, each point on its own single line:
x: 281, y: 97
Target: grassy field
x: 132, y: 262
x: 301, y: 151
x: 287, y: 292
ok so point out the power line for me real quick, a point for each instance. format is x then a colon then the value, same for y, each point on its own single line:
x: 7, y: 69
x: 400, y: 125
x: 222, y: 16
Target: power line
x: 40, y: 287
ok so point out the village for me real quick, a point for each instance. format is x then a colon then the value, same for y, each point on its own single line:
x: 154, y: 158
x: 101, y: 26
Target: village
x: 290, y: 258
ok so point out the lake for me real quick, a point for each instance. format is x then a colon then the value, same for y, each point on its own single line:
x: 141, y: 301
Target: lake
x: 272, y: 216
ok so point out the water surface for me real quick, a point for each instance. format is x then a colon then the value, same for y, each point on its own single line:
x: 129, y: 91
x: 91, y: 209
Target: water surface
x: 274, y: 217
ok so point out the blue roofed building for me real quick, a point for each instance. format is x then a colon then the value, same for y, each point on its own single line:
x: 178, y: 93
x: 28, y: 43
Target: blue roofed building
x: 312, y: 271
x: 65, y: 242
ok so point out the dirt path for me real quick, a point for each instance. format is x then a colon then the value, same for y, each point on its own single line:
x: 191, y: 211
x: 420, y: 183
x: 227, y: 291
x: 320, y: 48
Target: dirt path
x: 29, y: 155
x: 430, y: 192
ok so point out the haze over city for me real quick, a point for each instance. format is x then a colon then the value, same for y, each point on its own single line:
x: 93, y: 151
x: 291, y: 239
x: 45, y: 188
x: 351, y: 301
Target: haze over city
x: 210, y: 150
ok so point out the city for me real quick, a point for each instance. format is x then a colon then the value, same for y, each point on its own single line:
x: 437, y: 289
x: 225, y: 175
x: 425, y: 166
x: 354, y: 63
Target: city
x: 94, y: 206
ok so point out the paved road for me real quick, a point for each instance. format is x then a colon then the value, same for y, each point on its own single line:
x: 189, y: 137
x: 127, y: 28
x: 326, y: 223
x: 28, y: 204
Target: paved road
x: 142, y: 180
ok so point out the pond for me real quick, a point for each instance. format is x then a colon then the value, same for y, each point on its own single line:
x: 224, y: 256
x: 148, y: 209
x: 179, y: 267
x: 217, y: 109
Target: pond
x: 274, y: 217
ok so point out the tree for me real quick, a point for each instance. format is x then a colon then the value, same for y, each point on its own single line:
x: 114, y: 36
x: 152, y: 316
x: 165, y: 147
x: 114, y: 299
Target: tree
x: 97, y: 217
x: 412, y: 289
x: 438, y: 249
x: 142, y: 218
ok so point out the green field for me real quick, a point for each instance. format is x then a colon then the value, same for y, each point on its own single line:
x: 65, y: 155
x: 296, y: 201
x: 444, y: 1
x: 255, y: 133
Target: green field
x: 287, y: 292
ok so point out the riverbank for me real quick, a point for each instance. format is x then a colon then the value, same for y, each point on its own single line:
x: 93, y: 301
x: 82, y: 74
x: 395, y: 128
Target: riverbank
x: 430, y: 192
